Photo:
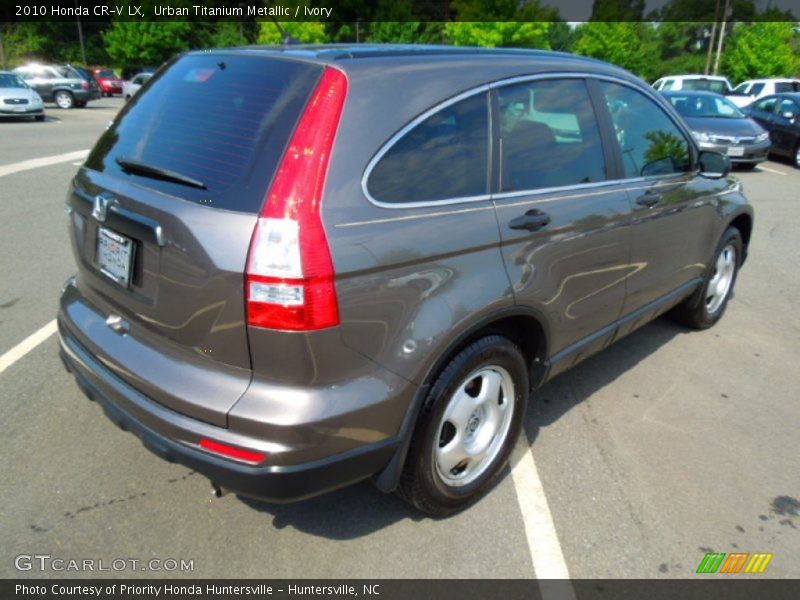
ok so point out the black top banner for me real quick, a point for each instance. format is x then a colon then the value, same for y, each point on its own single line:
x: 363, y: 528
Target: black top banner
x: 339, y: 11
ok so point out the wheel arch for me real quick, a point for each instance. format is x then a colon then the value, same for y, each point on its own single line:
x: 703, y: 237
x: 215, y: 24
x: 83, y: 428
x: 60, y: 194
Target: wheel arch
x: 744, y: 223
x: 523, y: 326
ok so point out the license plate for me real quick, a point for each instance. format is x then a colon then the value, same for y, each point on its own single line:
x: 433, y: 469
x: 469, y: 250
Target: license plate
x: 114, y: 255
x: 19, y: 109
x: 735, y: 150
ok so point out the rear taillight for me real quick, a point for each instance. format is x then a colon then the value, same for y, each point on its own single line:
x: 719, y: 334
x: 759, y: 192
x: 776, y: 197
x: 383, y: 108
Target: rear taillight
x: 85, y: 85
x: 289, y: 279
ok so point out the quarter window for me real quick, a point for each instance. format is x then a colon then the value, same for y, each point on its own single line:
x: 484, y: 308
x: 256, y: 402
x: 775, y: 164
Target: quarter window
x: 549, y: 135
x: 787, y: 107
x: 650, y: 143
x: 446, y: 156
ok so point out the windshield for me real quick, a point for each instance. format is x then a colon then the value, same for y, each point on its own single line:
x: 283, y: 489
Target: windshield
x: 709, y: 85
x: 700, y: 106
x: 9, y: 80
x: 106, y: 73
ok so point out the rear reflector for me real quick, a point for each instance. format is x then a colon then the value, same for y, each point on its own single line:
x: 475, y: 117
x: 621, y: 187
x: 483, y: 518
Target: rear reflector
x: 231, y: 451
x: 289, y: 279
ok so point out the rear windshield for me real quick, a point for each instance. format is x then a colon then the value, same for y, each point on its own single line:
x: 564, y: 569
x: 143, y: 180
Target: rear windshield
x: 221, y: 120
x: 105, y: 73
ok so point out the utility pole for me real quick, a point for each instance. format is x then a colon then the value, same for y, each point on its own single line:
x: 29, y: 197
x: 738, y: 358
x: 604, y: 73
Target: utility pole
x: 2, y: 51
x: 80, y: 34
x: 711, y: 41
x: 721, y: 35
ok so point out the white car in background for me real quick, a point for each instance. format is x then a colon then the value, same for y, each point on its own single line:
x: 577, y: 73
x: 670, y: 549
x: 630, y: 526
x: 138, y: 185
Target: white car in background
x: 704, y: 83
x: 751, y: 90
x: 17, y: 99
x: 129, y: 88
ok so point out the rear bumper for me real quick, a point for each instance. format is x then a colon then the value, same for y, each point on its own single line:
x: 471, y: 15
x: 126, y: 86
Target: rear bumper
x: 132, y: 411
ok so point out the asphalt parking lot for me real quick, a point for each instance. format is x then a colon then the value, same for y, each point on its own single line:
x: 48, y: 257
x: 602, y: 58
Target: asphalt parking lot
x: 668, y: 445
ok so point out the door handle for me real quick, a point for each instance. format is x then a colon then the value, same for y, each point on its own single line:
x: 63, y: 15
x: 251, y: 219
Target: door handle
x: 533, y: 220
x: 648, y: 200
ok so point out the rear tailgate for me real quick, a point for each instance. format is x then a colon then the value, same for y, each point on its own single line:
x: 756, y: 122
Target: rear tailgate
x: 162, y: 216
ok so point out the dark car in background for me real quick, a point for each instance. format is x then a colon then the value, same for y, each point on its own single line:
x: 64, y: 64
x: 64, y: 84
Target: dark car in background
x: 300, y: 268
x: 108, y: 81
x: 718, y: 125
x: 780, y: 115
x: 58, y: 83
x: 87, y: 76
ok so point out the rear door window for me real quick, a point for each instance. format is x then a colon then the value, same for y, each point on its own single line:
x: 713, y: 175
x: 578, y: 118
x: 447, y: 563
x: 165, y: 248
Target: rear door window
x: 549, y: 135
x: 766, y: 105
x: 219, y: 119
x: 649, y: 141
x: 444, y: 157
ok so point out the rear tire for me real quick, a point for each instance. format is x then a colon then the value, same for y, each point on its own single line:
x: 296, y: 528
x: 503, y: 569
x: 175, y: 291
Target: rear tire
x: 796, y: 158
x: 706, y: 306
x: 468, y: 425
x: 64, y: 100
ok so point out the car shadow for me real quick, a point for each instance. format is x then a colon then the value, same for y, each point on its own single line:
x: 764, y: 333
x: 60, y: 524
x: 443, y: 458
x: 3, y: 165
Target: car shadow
x: 360, y: 510
x: 557, y: 397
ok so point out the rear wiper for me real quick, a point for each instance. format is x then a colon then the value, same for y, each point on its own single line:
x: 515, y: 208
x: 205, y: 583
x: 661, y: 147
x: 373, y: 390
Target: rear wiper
x: 140, y: 168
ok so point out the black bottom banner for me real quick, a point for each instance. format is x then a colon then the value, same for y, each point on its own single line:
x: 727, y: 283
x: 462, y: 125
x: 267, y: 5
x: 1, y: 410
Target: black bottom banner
x: 404, y: 589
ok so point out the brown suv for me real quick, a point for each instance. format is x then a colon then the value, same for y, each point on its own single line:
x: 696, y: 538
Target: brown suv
x: 306, y: 267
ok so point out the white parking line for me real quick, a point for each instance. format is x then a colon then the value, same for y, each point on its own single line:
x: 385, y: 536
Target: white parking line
x: 548, y: 559
x: 763, y: 168
x: 26, y: 345
x: 35, y: 163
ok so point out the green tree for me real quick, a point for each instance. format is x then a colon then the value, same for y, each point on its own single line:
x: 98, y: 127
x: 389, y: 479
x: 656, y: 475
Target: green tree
x: 562, y: 36
x: 498, y: 33
x: 761, y: 49
x: 308, y: 32
x: 146, y: 42
x: 629, y: 45
x: 393, y: 21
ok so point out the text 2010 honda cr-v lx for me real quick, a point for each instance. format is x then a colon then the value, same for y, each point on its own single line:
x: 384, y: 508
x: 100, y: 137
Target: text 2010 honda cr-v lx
x: 300, y: 268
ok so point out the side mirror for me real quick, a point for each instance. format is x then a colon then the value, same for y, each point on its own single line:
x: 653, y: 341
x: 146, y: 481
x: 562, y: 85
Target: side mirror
x: 714, y: 165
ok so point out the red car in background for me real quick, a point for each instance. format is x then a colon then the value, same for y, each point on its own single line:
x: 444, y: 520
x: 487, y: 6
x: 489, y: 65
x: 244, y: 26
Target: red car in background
x: 109, y: 83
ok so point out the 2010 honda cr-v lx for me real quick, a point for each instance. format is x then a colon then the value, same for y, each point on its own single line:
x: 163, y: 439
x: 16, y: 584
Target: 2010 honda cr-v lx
x: 300, y: 268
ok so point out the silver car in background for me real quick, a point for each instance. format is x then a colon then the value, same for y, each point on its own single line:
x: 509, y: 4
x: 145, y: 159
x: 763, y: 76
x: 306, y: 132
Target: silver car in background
x: 129, y: 88
x: 17, y: 99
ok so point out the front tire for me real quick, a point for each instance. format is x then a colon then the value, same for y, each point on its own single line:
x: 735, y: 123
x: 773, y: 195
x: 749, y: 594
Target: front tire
x: 796, y: 159
x: 705, y: 307
x: 467, y: 427
x: 64, y: 100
